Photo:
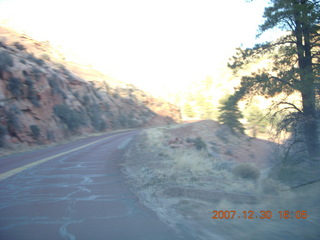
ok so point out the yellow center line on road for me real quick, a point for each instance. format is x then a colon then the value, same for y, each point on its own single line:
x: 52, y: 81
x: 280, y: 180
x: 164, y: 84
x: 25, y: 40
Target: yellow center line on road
x: 30, y: 165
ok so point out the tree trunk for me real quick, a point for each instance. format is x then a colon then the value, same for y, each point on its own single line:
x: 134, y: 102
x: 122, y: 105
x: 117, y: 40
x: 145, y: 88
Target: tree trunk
x: 310, y: 127
x: 307, y: 78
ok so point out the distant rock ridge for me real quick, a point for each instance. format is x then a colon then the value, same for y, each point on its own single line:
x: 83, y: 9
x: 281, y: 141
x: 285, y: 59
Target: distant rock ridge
x: 44, y: 100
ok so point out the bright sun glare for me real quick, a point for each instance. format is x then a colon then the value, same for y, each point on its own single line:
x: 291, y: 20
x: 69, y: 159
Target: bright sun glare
x: 153, y: 44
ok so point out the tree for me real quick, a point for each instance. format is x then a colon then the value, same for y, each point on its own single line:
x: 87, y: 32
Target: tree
x: 230, y: 113
x: 256, y: 120
x: 296, y: 63
x: 188, y: 110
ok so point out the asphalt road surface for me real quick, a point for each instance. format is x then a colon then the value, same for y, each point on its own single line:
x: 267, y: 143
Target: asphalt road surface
x: 74, y: 191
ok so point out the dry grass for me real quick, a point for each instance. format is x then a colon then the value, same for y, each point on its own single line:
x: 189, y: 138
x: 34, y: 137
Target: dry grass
x: 184, y: 186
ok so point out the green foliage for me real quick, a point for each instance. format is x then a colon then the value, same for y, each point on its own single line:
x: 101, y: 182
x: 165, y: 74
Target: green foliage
x: 295, y: 58
x: 37, y: 73
x: 32, y: 58
x: 61, y: 67
x: 76, y: 95
x: 19, y: 46
x: 5, y: 61
x: 45, y: 57
x: 54, y: 83
x: 125, y: 121
x: 188, y: 110
x: 106, y: 107
x: 32, y: 95
x: 50, y: 136
x: 85, y: 100
x: 13, y: 122
x: 230, y: 114
x: 257, y: 120
x: 246, y: 171
x: 3, y: 132
x: 198, y: 143
x: 72, y: 118
x: 95, y: 116
x: 35, y: 131
x: 15, y: 87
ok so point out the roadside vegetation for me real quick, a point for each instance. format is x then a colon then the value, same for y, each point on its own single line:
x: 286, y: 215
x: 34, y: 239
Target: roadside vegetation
x: 183, y: 184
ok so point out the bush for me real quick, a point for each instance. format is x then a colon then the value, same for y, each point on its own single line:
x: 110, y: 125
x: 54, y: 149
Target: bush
x: 5, y: 60
x: 55, y: 86
x: 19, y: 46
x: 31, y: 94
x: 3, y: 132
x: 45, y: 57
x: 37, y: 73
x: 198, y: 143
x: 35, y: 131
x: 32, y: 58
x: 13, y: 122
x: 85, y: 100
x: 95, y: 116
x: 50, y: 136
x: 76, y: 95
x: 246, y: 171
x: 106, y: 107
x: 15, y: 87
x: 72, y: 118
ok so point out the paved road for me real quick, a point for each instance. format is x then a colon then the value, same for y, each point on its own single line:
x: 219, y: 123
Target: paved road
x: 74, y: 191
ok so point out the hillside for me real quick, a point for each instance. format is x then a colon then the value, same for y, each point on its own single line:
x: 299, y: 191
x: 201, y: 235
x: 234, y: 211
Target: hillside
x: 44, y: 98
x: 186, y: 172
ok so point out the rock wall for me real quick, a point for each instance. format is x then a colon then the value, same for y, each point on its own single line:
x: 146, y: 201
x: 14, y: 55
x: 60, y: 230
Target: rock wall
x: 42, y: 102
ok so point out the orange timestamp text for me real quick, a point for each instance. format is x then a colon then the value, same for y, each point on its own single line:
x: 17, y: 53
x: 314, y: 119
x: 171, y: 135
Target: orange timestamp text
x: 263, y: 214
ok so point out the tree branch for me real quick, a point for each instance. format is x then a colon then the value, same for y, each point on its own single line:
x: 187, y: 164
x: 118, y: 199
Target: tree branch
x: 292, y: 106
x: 281, y: 80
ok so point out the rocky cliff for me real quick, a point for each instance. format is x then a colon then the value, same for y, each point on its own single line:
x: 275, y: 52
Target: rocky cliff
x: 45, y: 99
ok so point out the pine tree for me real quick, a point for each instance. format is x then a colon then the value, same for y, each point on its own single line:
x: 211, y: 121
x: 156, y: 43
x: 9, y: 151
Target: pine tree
x: 230, y: 114
x: 296, y: 61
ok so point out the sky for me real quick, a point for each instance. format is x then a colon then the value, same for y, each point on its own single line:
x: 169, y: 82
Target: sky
x: 156, y: 44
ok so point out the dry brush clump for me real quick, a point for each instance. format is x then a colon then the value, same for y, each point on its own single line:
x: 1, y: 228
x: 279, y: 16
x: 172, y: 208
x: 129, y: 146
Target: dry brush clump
x: 246, y: 171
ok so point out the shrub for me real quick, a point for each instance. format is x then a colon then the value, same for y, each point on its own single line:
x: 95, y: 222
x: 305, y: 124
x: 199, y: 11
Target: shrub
x: 45, y: 57
x: 32, y: 58
x: 19, y: 46
x: 3, y: 132
x: 31, y: 94
x: 13, y: 120
x: 50, y: 136
x: 37, y: 73
x: 106, y: 107
x: 5, y: 60
x: 246, y: 171
x: 35, y: 131
x: 55, y: 86
x: 198, y: 143
x: 95, y: 116
x: 85, y: 99
x: 76, y: 95
x: 72, y: 118
x: 61, y: 67
x: 123, y: 121
x: 15, y: 87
